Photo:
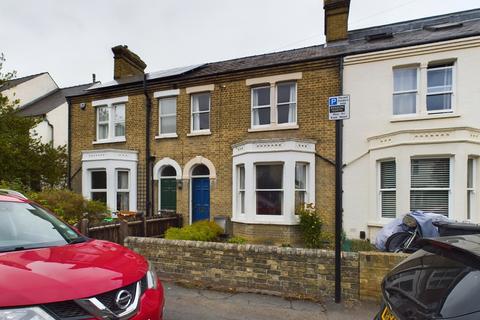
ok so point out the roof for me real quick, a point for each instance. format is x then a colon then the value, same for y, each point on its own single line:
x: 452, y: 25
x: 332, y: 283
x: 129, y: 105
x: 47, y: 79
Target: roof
x: 9, y: 198
x: 402, y: 34
x: 15, y: 82
x: 51, y: 100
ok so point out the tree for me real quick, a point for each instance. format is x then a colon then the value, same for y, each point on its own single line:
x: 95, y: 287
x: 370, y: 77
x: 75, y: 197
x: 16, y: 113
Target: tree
x: 24, y: 159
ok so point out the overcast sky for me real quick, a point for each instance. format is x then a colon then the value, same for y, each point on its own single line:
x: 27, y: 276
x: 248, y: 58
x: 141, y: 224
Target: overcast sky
x: 71, y: 39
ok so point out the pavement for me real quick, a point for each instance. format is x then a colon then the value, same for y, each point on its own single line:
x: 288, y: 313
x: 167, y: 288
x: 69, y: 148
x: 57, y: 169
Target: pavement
x: 198, y: 304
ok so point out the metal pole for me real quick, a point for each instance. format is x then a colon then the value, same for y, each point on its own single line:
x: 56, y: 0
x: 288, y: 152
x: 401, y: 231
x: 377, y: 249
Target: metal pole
x: 338, y: 209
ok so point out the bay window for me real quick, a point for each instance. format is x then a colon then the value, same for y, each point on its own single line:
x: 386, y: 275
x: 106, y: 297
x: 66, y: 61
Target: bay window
x: 430, y: 185
x: 123, y: 190
x: 241, y: 189
x: 98, y: 187
x: 471, y: 172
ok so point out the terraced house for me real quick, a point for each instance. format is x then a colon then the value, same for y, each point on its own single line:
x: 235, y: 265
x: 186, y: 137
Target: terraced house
x: 246, y: 138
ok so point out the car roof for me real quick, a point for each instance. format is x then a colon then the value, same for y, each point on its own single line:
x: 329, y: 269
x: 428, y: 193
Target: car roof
x: 470, y: 243
x: 11, y: 198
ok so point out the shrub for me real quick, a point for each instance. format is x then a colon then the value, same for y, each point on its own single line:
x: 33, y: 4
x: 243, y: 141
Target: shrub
x: 237, y: 240
x: 361, y: 245
x: 198, y: 231
x: 71, y: 207
x: 311, y: 227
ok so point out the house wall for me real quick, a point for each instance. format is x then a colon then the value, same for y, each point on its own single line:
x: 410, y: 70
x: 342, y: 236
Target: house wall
x: 30, y: 90
x: 230, y: 121
x: 54, y: 127
x: 373, y: 133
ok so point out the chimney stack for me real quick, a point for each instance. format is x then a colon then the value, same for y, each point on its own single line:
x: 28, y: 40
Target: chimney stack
x: 126, y: 63
x: 336, y: 19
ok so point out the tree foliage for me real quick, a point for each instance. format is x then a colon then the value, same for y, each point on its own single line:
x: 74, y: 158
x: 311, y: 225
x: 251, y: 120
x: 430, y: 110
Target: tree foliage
x: 24, y: 159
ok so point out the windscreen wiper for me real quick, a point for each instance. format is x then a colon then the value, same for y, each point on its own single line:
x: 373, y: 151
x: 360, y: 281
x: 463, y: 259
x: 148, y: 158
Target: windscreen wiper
x: 77, y: 240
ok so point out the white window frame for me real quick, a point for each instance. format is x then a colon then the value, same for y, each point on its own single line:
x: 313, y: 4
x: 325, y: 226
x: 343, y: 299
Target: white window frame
x: 381, y: 190
x: 273, y: 107
x: 117, y: 188
x: 304, y: 190
x: 451, y: 92
x: 450, y: 180
x: 471, y: 190
x: 282, y: 190
x: 90, y: 187
x: 113, y: 111
x: 111, y: 105
x: 240, y: 190
x: 406, y: 91
x: 192, y: 113
x: 168, y: 115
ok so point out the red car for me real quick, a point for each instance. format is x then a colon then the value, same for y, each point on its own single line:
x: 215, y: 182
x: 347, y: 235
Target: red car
x: 50, y: 271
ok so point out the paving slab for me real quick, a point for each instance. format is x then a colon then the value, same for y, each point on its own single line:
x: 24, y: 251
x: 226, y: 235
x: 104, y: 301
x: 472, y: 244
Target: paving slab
x: 198, y: 304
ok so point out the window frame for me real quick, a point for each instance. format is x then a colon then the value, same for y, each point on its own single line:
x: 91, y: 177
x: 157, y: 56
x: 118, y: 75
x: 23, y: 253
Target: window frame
x: 416, y: 91
x: 282, y: 190
x: 240, y: 190
x: 91, y: 190
x: 192, y: 113
x: 451, y: 92
x: 111, y: 105
x: 304, y: 190
x: 450, y: 177
x: 169, y: 115
x: 117, y: 188
x: 382, y: 190
x: 273, y: 106
x: 471, y: 189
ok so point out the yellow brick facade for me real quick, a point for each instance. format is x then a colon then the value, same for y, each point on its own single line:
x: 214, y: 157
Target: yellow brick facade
x: 230, y: 119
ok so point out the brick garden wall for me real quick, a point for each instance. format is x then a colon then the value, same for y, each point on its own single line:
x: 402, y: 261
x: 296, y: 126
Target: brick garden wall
x: 373, y: 267
x: 288, y: 272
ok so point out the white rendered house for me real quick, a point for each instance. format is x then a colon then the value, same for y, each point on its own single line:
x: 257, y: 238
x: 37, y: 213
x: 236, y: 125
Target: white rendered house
x: 413, y: 139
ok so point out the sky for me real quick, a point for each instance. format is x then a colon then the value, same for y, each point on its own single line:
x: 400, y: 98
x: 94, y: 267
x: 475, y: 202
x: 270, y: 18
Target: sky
x: 71, y: 39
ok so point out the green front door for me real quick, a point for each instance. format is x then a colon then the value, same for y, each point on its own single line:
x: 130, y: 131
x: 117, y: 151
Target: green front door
x: 168, y: 194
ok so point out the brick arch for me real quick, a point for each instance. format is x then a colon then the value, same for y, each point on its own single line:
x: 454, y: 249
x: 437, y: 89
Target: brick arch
x: 166, y: 162
x: 187, y: 170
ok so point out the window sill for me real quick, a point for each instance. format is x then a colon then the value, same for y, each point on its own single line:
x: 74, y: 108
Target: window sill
x: 116, y: 140
x: 430, y: 116
x: 286, y: 220
x: 166, y: 136
x: 274, y: 128
x: 199, y: 133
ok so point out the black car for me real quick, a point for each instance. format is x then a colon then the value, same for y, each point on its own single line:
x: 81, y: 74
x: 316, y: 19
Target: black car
x: 440, y: 281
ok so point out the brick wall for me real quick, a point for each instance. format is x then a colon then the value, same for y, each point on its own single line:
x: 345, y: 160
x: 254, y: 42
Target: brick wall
x: 288, y: 272
x: 373, y: 267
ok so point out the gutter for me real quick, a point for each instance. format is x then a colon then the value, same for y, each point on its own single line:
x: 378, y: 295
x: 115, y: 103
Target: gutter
x: 148, y: 110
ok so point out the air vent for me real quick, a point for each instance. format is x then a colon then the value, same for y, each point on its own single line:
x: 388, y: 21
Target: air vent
x: 443, y: 26
x: 379, y: 36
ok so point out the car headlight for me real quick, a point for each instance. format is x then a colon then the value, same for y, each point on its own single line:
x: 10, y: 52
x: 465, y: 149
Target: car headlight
x: 34, y: 313
x: 152, y: 282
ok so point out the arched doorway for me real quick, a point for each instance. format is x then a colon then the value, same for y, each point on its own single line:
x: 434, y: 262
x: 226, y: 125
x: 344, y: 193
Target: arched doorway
x: 168, y: 189
x: 200, y: 191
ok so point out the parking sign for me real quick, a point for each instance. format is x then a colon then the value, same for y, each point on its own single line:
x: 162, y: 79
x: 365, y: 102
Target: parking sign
x: 339, y: 107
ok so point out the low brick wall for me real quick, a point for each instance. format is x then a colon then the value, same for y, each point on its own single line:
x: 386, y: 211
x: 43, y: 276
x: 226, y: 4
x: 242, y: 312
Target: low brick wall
x: 373, y: 266
x: 289, y: 272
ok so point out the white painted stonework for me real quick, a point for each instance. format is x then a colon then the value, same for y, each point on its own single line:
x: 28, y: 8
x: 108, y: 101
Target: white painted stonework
x: 110, y: 160
x: 285, y: 151
x: 373, y: 133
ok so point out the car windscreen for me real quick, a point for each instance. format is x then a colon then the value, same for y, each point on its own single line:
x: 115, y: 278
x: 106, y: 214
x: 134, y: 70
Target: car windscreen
x: 26, y: 226
x: 434, y: 285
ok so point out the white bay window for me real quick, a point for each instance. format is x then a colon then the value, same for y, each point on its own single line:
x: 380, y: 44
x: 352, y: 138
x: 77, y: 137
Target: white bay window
x: 275, y: 176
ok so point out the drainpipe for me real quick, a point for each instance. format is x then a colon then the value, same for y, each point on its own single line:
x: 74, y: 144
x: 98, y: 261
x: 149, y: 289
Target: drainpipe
x: 338, y: 197
x: 148, y: 109
x: 69, y: 147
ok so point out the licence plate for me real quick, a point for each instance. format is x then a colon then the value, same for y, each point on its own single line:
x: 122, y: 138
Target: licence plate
x: 387, y: 314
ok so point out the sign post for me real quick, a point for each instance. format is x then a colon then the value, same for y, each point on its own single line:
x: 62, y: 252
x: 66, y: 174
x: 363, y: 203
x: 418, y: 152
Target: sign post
x: 338, y: 110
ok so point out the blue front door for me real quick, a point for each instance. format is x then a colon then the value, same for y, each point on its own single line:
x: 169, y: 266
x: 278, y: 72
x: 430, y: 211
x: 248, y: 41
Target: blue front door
x: 200, y: 199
